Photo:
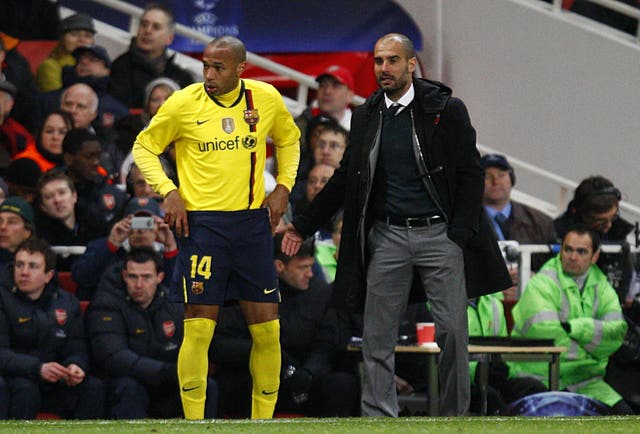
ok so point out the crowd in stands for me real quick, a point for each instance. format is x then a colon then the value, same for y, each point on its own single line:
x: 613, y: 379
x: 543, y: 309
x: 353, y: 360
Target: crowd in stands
x: 68, y: 179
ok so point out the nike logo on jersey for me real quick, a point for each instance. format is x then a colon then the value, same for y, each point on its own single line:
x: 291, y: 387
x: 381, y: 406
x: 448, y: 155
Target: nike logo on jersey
x: 189, y: 389
x: 269, y: 291
x: 202, y: 122
x: 22, y: 319
x: 264, y: 392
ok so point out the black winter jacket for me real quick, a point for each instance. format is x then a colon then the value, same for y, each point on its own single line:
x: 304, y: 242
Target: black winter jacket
x: 127, y: 340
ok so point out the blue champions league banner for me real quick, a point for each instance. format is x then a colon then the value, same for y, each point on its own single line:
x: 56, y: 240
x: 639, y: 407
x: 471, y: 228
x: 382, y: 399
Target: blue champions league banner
x: 278, y: 26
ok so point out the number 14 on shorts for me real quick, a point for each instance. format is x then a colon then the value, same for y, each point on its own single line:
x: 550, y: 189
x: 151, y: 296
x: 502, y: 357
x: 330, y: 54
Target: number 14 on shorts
x: 201, y: 266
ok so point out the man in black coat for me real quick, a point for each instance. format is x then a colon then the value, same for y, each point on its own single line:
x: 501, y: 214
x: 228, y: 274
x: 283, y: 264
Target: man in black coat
x: 43, y: 353
x: 411, y: 185
x: 147, y: 58
x: 135, y: 336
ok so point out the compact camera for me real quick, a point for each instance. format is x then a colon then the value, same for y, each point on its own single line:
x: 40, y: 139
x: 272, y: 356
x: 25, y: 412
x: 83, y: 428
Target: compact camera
x: 142, y: 223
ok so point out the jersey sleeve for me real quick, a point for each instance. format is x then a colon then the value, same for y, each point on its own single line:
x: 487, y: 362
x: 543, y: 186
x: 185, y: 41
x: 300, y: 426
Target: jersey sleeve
x: 162, y: 130
x: 286, y: 139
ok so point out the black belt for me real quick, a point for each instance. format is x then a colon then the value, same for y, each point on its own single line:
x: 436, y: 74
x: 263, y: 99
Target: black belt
x: 412, y: 222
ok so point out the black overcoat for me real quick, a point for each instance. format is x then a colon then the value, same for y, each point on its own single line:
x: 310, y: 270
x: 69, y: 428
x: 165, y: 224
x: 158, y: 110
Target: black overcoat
x: 447, y: 142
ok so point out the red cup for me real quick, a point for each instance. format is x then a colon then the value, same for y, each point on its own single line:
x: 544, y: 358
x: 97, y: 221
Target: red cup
x: 425, y: 332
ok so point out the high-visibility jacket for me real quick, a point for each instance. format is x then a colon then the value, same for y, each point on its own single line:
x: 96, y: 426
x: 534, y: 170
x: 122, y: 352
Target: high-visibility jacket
x: 597, y: 327
x: 485, y: 317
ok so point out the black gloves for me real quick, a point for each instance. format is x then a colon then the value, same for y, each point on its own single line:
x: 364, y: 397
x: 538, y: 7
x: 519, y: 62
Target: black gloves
x: 298, y: 382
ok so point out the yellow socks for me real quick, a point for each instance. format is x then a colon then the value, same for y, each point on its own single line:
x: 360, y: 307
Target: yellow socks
x: 193, y: 365
x: 264, y: 365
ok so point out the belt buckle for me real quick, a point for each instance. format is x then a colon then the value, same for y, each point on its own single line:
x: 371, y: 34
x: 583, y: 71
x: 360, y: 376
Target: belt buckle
x: 408, y: 221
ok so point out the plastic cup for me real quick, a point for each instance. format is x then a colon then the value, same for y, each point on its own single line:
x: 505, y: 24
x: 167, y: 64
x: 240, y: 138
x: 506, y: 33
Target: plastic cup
x: 425, y: 332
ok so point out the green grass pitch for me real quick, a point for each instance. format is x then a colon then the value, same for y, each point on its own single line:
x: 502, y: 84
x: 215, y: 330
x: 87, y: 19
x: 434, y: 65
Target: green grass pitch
x: 502, y: 425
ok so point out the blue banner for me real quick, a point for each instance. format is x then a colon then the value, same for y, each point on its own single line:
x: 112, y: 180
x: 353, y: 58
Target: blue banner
x: 279, y: 26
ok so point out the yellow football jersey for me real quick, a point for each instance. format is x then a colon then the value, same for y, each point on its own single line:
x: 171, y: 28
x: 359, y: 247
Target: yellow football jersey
x: 221, y: 145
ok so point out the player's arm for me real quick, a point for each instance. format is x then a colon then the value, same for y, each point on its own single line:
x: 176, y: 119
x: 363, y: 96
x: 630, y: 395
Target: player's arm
x: 286, y: 137
x: 150, y: 143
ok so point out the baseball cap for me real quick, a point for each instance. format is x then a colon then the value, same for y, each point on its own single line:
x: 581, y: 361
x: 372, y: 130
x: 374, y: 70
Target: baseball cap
x: 18, y: 205
x: 77, y: 22
x: 8, y: 87
x: 97, y: 50
x: 495, y: 160
x: 142, y: 206
x: 339, y: 73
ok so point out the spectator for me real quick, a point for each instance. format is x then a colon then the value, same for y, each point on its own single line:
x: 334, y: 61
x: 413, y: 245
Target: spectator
x: 17, y: 224
x: 61, y: 219
x: 16, y: 69
x: 22, y: 178
x: 332, y: 142
x: 35, y: 19
x: 81, y: 102
x: 128, y: 128
x: 307, y: 161
x: 140, y: 368
x: 43, y: 354
x: 512, y: 220
x: 104, y: 252
x: 310, y: 384
x: 75, y: 31
x: 82, y: 152
x: 47, y: 150
x: 92, y: 68
x: 335, y: 92
x: 137, y: 186
x: 147, y: 58
x: 14, y: 137
x: 596, y: 203
x: 571, y: 301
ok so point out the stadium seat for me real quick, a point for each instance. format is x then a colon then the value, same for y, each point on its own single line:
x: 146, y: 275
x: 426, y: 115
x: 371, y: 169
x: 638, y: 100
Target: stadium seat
x: 67, y: 282
x: 35, y: 51
x: 47, y: 416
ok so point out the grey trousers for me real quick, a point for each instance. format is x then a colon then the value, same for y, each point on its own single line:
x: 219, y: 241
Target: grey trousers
x: 395, y: 251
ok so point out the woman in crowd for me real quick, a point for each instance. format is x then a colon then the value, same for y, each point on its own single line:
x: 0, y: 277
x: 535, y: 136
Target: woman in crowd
x: 47, y: 151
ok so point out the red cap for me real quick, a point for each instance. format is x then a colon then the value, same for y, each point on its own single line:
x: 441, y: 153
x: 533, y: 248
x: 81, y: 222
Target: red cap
x: 339, y: 73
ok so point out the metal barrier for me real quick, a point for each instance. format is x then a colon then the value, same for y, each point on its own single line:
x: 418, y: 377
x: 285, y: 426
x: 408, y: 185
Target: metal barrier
x: 521, y: 254
x: 616, y: 6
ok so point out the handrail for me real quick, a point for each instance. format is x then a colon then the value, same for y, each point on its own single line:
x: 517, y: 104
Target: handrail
x: 521, y: 253
x: 566, y: 185
x: 304, y: 81
x: 615, y: 6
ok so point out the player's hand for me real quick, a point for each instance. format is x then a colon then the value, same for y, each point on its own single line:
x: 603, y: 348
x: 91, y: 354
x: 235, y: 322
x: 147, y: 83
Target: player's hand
x: 76, y: 375
x: 277, y: 203
x: 175, y: 213
x: 291, y: 241
x: 53, y: 372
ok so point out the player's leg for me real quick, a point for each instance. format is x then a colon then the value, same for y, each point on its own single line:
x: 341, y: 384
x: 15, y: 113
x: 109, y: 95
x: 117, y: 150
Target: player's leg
x: 193, y: 358
x: 265, y: 359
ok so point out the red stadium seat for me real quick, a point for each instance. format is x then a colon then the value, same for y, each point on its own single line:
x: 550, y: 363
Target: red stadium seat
x: 67, y: 282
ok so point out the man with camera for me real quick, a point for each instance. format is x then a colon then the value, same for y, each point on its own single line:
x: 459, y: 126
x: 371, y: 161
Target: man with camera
x: 142, y: 226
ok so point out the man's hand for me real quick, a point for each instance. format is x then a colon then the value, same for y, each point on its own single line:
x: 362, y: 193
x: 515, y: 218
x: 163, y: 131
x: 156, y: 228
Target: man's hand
x: 175, y: 213
x: 120, y: 231
x: 277, y: 203
x: 164, y: 235
x: 291, y: 241
x: 76, y: 375
x: 53, y: 372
